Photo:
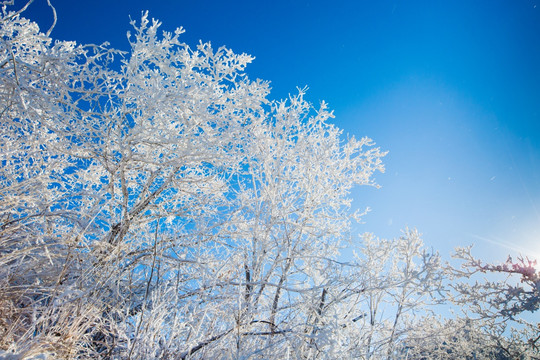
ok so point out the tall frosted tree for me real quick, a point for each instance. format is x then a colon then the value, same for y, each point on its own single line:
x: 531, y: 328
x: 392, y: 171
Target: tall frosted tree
x: 156, y: 202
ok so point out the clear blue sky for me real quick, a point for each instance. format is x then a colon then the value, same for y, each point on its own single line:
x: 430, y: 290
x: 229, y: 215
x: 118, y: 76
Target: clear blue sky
x: 450, y: 88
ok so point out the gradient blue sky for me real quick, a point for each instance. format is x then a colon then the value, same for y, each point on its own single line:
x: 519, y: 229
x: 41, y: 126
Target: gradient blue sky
x: 450, y: 88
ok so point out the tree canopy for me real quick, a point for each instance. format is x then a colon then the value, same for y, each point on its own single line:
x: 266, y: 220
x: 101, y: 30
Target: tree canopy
x: 156, y: 203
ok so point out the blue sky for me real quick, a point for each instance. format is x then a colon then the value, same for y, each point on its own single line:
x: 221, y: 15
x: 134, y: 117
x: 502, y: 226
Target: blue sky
x: 450, y: 88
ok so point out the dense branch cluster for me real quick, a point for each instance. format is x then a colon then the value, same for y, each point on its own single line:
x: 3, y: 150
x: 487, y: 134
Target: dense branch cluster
x: 156, y: 204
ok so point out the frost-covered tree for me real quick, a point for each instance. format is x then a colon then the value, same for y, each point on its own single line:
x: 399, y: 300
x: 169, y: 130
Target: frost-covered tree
x: 156, y: 203
x: 491, y: 315
x: 380, y: 300
x: 500, y: 307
